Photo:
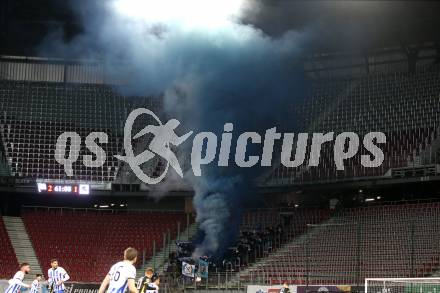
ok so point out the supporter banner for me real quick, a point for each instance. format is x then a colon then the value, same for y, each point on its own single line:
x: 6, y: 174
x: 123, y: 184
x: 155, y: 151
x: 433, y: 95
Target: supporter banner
x: 323, y: 289
x: 188, y: 270
x: 203, y: 268
x: 70, y: 287
x: 268, y: 289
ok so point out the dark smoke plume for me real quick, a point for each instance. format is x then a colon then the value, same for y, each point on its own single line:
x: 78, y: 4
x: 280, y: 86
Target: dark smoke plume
x: 209, y: 76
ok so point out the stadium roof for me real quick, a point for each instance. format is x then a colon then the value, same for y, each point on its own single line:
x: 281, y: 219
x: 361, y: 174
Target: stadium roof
x: 342, y: 25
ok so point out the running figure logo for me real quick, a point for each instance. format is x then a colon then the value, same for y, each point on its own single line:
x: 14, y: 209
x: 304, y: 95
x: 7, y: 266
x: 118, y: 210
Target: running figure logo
x: 164, y: 136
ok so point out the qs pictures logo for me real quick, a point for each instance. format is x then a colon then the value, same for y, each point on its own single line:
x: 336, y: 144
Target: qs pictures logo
x: 206, y: 147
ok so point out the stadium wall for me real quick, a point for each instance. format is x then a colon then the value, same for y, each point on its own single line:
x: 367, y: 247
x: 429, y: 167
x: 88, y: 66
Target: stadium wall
x: 51, y: 70
x: 301, y: 289
x: 215, y: 291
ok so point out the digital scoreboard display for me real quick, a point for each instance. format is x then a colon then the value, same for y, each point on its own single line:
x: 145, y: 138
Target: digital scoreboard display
x: 80, y: 189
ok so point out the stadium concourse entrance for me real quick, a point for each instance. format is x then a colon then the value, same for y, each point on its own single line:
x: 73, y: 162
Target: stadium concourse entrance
x: 11, y: 202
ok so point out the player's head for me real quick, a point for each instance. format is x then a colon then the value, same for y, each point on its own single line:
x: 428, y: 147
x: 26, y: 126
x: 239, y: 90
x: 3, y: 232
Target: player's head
x: 156, y: 280
x: 285, y: 285
x: 25, y: 268
x: 54, y: 263
x: 131, y: 254
x: 149, y: 272
x: 38, y: 277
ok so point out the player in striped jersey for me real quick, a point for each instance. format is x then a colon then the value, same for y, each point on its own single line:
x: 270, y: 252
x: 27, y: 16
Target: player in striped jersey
x: 121, y: 275
x: 35, y: 287
x: 16, y: 282
x: 56, y: 277
x: 143, y: 282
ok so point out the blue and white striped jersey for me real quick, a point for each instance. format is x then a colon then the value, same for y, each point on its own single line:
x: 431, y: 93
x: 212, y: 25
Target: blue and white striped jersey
x: 35, y: 287
x: 119, y: 275
x: 55, y: 276
x: 16, y: 283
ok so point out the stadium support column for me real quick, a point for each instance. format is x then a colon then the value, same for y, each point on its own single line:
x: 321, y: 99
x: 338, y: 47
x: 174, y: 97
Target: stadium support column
x: 154, y: 255
x: 187, y: 225
x: 358, y: 253
x: 412, y: 54
x: 437, y: 53
x: 412, y: 246
x: 367, y: 64
x: 168, y: 241
x: 66, y: 67
x: 308, y: 256
x: 164, y: 244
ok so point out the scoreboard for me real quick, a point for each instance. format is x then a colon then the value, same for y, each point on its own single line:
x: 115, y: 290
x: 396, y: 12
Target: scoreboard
x: 80, y: 189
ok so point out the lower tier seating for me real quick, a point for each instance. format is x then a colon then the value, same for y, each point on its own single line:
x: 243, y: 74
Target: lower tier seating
x: 87, y: 243
x: 374, y: 242
x: 8, y: 260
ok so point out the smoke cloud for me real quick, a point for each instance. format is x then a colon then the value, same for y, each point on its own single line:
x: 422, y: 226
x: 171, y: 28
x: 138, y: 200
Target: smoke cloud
x: 209, y: 75
x: 348, y: 26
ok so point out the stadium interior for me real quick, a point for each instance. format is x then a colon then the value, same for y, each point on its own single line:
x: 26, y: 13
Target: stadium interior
x: 305, y: 226
x: 354, y: 211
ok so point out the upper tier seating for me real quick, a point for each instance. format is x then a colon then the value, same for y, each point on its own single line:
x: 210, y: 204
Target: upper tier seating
x: 87, y: 243
x: 34, y: 114
x: 404, y: 106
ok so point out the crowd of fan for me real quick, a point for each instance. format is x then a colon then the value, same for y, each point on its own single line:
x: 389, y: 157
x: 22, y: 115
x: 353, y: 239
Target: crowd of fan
x: 255, y: 244
x: 250, y: 246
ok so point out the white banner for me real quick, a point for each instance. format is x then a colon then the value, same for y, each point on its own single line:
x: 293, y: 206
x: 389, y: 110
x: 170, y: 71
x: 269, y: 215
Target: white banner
x: 188, y: 270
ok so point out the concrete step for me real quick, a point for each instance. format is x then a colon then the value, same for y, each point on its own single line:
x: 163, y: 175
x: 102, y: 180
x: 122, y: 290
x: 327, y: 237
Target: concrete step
x: 162, y: 256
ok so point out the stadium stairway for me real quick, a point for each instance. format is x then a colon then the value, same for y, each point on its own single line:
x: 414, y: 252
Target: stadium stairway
x: 158, y: 262
x: 22, y: 245
x: 4, y: 167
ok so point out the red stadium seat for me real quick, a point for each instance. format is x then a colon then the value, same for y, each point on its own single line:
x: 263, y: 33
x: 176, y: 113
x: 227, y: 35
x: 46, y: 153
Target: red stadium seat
x: 8, y: 260
x: 88, y: 243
